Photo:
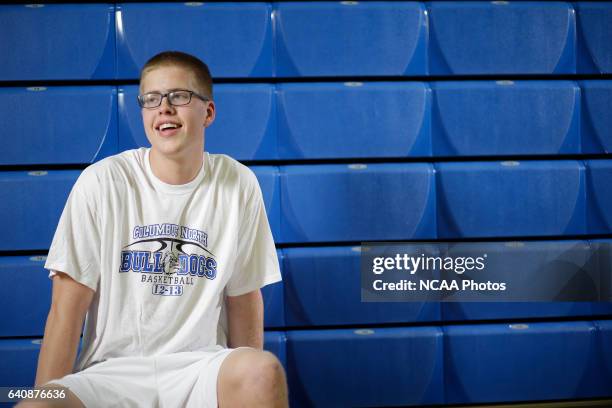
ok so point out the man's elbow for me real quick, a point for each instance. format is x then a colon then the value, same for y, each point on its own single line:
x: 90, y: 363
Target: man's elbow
x: 70, y: 298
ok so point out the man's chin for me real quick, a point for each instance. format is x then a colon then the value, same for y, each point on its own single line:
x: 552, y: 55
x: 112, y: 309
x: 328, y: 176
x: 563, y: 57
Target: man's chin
x: 168, y: 149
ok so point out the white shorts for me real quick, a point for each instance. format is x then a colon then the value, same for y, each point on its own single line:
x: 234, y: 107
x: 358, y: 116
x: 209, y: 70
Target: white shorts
x: 187, y: 379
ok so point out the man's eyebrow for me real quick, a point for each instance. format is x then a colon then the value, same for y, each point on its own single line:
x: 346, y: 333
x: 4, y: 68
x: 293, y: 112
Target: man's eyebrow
x: 169, y: 90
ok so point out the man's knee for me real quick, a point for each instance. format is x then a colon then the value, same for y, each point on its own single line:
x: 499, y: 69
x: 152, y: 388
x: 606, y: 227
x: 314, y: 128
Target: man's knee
x: 254, y: 372
x: 264, y: 373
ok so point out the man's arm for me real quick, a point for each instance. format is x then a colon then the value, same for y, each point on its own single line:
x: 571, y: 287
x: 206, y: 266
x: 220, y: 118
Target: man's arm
x: 69, y: 303
x: 245, y: 320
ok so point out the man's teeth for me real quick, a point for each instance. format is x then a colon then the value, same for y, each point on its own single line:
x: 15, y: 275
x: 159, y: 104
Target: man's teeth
x: 168, y: 125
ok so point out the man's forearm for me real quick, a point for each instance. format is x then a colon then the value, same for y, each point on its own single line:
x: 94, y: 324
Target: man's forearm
x: 59, y: 348
x: 249, y: 337
x: 245, y: 318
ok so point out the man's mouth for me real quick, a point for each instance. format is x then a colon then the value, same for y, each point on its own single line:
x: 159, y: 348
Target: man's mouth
x: 168, y: 128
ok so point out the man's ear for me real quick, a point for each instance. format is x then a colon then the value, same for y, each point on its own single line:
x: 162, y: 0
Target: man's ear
x: 210, y: 114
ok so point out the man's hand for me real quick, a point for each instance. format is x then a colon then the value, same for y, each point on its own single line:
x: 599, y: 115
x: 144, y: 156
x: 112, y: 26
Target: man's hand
x: 245, y: 320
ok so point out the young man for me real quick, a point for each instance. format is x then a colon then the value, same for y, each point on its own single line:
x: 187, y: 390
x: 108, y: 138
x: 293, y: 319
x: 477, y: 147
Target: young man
x: 164, y: 250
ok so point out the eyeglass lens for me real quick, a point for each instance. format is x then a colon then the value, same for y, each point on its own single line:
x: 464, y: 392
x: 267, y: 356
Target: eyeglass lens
x: 177, y: 98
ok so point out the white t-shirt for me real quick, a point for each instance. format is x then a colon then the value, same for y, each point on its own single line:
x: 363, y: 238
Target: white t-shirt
x: 161, y: 257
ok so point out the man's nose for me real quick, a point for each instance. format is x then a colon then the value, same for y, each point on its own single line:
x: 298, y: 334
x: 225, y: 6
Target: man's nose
x: 165, y: 106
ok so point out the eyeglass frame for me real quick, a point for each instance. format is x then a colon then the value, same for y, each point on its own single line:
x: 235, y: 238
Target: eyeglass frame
x: 166, y: 95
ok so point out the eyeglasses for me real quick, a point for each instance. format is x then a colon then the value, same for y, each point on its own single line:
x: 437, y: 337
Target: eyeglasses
x: 175, y: 98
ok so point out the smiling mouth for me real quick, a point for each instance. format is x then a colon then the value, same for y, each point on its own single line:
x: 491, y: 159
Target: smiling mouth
x: 168, y: 128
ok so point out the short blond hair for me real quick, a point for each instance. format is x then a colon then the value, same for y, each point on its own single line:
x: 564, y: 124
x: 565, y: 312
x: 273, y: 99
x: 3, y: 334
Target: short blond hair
x: 189, y: 62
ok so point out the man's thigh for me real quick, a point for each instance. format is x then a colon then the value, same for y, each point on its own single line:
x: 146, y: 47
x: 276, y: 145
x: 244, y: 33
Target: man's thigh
x: 121, y: 382
x: 189, y: 379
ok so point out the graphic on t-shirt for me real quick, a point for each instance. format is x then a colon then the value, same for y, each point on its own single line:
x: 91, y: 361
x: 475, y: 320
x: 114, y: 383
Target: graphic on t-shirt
x: 169, y: 257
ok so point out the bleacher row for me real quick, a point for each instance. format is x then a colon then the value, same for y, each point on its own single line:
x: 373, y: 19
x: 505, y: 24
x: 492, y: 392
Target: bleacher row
x: 291, y: 39
x: 434, y: 362
x: 415, y: 161
x: 297, y: 121
x: 376, y: 202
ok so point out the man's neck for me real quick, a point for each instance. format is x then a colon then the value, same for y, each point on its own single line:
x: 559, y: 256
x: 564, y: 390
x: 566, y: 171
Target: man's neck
x: 176, y: 170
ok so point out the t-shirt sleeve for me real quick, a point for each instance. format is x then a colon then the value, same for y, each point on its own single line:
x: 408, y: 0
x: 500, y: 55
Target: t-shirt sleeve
x: 256, y: 262
x: 75, y: 249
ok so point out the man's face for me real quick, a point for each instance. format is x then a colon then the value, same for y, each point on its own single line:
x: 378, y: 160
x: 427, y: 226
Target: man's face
x: 190, y: 119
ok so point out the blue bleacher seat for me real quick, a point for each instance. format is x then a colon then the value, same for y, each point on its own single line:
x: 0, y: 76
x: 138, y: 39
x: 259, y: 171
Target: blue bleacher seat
x: 599, y: 196
x: 49, y: 130
x: 510, y: 199
x: 353, y: 119
x: 471, y: 118
x: 19, y: 360
x: 357, y: 202
x: 365, y: 367
x: 57, y: 41
x: 31, y: 204
x: 276, y: 343
x: 603, y: 355
x: 268, y: 179
x: 244, y: 126
x: 518, y: 362
x: 596, y: 129
x: 501, y: 37
x: 235, y: 40
x: 594, y: 49
x: 323, y: 288
x: 534, y: 270
x: 130, y: 131
x: 25, y: 303
x: 245, y: 122
x: 274, y: 299
x: 350, y: 38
